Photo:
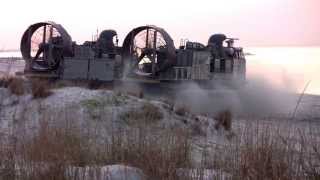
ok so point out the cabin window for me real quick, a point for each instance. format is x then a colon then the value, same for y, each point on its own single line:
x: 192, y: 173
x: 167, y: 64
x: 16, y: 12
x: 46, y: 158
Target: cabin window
x: 222, y: 65
x: 179, y: 74
x: 185, y: 73
x: 212, y: 63
x: 217, y: 65
x: 229, y: 66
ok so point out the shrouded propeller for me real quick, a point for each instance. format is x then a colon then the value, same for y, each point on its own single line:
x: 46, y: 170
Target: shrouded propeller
x: 43, y: 46
x: 148, y: 50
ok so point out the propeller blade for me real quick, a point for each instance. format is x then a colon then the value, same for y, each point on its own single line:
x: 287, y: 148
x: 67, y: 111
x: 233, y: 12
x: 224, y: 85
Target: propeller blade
x: 51, y: 32
x: 143, y: 54
x: 155, y: 40
x: 147, y: 38
x: 44, y: 34
x: 136, y: 63
x: 40, y: 50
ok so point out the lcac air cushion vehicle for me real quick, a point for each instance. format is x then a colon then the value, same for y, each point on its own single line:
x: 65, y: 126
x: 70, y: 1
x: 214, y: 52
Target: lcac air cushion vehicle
x: 147, y: 54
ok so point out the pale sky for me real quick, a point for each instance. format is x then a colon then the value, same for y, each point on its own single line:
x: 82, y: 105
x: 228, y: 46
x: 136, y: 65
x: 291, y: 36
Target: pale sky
x: 255, y: 22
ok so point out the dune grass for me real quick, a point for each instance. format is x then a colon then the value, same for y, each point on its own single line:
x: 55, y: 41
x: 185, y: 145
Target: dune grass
x: 257, y: 150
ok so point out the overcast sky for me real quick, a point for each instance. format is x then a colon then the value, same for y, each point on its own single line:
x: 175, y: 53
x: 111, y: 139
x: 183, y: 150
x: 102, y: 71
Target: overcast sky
x: 255, y: 22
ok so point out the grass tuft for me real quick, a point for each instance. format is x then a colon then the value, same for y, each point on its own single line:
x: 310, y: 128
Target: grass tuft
x: 40, y: 89
x: 224, y: 119
x: 147, y: 114
x: 16, y: 86
x: 182, y: 110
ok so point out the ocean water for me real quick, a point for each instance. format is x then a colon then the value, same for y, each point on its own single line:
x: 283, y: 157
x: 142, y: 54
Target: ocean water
x: 10, y: 54
x: 290, y: 68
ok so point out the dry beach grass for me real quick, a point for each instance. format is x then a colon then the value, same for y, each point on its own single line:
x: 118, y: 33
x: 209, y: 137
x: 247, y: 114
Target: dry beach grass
x: 258, y: 150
